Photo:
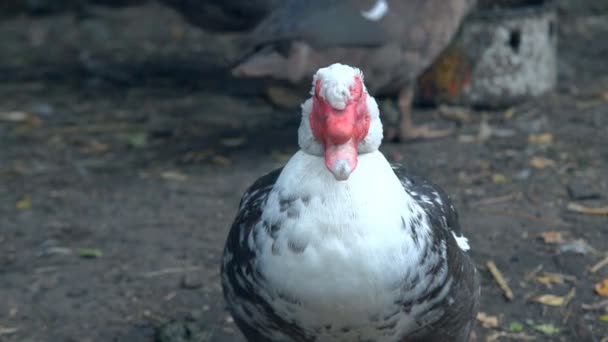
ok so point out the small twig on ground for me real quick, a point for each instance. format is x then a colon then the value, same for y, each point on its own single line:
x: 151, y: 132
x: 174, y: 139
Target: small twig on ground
x: 567, y: 316
x: 516, y: 336
x: 111, y: 127
x: 530, y: 275
x: 569, y: 297
x: 595, y: 306
x: 523, y: 216
x: 600, y: 264
x: 153, y: 317
x: 7, y: 330
x: 171, y: 270
x: 567, y: 277
x: 496, y: 200
x: 581, y: 209
x: 500, y: 280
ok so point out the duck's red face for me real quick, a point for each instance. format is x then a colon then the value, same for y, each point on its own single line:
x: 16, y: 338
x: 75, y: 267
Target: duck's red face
x: 340, y: 130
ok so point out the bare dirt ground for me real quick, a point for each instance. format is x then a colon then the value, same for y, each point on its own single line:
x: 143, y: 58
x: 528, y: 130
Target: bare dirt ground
x: 121, y: 172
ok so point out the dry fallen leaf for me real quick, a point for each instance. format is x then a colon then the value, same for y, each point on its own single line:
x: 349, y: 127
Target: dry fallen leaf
x: 487, y: 321
x: 221, y: 160
x: 174, y: 175
x: 550, y: 279
x: 498, y: 178
x: 24, y: 204
x: 541, y: 163
x: 95, y: 147
x: 541, y: 138
x: 197, y: 156
x: 550, y: 300
x: 547, y: 329
x: 601, y: 288
x: 14, y: 116
x: 587, y: 210
x: 233, y: 142
x: 552, y: 237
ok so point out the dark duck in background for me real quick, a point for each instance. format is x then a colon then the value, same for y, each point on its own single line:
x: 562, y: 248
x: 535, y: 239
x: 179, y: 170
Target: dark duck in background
x: 392, y: 41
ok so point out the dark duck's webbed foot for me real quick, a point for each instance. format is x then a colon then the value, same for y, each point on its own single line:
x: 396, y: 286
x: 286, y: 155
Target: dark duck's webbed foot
x: 406, y: 130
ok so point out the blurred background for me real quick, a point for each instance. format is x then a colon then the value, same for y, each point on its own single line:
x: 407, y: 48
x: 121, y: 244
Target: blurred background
x: 126, y: 143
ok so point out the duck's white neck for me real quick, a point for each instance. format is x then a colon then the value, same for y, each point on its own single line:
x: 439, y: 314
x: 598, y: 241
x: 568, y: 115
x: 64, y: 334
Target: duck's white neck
x: 372, y: 197
x: 307, y: 172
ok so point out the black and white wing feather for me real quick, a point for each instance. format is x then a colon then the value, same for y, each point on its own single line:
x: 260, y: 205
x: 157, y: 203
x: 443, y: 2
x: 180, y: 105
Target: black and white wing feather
x: 436, y: 203
x: 241, y: 281
x: 448, y: 246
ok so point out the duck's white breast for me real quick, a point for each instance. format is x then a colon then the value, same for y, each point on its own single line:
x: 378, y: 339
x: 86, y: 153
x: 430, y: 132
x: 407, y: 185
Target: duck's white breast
x: 336, y: 251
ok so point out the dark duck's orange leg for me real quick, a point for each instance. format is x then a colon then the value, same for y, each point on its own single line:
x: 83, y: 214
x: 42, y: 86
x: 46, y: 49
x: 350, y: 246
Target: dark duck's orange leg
x: 406, y: 129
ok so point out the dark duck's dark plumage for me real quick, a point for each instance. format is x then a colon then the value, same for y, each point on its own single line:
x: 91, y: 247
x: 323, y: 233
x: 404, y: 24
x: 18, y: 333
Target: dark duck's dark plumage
x: 392, y: 41
x: 223, y: 15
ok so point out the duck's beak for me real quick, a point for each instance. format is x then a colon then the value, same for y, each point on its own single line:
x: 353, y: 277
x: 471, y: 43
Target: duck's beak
x: 340, y: 145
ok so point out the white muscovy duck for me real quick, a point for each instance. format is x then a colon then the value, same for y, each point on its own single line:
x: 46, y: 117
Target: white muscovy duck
x: 340, y: 245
